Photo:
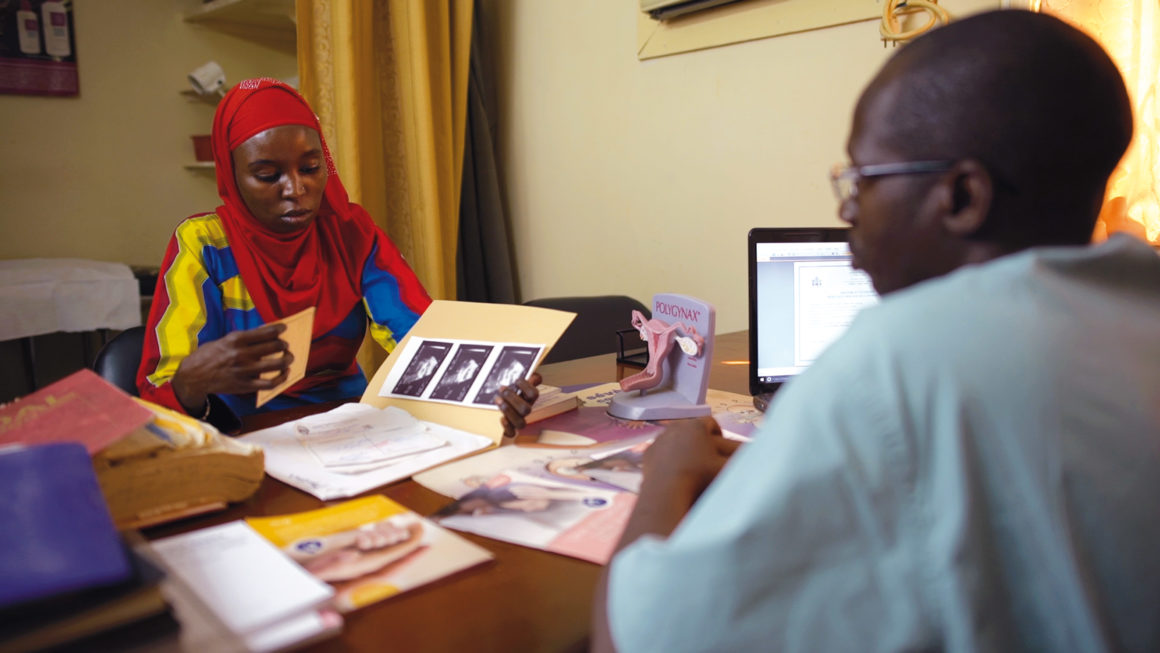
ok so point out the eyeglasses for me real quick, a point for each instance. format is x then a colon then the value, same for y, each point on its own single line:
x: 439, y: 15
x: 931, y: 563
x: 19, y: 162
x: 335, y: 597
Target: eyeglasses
x: 845, y: 179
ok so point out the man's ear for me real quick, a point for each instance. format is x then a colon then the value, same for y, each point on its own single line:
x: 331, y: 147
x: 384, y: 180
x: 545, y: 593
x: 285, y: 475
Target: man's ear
x: 972, y: 190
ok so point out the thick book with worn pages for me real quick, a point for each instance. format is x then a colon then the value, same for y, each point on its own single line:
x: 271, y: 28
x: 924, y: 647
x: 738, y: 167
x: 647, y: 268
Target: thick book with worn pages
x: 57, y: 535
x: 173, y: 467
x: 153, y: 464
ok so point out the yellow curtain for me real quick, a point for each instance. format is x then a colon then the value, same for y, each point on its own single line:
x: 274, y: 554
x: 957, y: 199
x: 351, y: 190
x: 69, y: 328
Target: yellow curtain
x: 1130, y: 31
x: 388, y: 80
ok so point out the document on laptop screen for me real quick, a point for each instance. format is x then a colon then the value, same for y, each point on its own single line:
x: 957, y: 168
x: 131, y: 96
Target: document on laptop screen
x: 806, y: 296
x: 827, y: 296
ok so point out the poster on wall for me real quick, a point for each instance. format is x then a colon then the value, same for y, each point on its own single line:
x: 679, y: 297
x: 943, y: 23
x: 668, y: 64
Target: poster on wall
x: 37, y: 48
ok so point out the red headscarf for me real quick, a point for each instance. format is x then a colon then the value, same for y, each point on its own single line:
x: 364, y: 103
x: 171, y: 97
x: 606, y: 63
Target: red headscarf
x: 319, y: 266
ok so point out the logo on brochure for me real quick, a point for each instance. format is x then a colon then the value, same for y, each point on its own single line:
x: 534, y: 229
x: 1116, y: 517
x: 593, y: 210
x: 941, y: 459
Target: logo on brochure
x: 594, y: 502
x: 309, y: 546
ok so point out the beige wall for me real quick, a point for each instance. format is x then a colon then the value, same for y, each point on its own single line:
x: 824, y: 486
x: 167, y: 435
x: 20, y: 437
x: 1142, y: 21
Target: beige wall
x: 100, y: 176
x: 633, y: 177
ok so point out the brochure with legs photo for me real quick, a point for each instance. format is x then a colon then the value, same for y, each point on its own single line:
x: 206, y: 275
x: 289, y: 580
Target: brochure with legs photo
x: 369, y: 549
x: 582, y: 522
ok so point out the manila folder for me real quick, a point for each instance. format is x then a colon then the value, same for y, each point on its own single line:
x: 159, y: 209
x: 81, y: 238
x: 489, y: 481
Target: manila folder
x: 470, y: 321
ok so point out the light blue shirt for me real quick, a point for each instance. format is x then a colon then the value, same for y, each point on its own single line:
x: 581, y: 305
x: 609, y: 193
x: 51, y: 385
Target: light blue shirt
x: 973, y: 466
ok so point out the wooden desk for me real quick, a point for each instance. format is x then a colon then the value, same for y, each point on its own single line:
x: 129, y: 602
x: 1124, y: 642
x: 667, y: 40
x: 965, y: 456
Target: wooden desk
x: 524, y: 600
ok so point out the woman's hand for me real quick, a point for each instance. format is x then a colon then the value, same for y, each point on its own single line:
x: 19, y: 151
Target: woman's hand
x: 232, y: 364
x: 515, y: 402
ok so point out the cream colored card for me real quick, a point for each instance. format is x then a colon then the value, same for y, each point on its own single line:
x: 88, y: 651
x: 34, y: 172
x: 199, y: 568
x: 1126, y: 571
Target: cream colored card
x: 499, y: 323
x: 298, y: 334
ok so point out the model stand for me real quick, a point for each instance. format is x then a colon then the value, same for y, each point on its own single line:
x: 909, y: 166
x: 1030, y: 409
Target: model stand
x: 680, y: 348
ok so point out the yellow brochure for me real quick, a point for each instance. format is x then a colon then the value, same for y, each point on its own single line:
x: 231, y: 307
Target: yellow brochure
x: 369, y: 549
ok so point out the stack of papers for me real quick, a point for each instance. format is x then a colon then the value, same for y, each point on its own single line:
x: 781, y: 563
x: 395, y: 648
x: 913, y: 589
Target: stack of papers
x: 261, y: 597
x: 357, y: 447
x: 359, y: 441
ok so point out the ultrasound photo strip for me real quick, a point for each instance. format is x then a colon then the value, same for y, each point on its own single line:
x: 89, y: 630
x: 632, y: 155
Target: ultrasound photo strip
x: 463, y: 372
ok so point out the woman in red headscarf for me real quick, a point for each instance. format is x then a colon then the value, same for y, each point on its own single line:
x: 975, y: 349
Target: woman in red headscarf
x: 285, y: 238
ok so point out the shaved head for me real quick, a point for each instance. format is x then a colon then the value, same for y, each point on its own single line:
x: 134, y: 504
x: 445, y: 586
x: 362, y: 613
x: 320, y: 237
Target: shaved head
x: 1033, y: 99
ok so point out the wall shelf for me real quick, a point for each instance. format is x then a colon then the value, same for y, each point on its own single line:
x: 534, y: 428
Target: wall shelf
x: 194, y: 96
x: 268, y: 22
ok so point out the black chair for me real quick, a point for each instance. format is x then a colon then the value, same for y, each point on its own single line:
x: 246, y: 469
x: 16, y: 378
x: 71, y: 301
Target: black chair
x: 593, y: 332
x: 118, y: 360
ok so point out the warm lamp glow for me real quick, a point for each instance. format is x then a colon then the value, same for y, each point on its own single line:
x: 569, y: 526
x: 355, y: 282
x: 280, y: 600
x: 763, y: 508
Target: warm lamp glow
x: 1128, y: 30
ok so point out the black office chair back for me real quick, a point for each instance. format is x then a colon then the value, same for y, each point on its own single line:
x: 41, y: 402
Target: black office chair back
x: 118, y: 360
x: 593, y: 332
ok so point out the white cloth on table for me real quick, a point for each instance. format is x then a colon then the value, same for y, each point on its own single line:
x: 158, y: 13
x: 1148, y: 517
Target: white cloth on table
x: 42, y: 295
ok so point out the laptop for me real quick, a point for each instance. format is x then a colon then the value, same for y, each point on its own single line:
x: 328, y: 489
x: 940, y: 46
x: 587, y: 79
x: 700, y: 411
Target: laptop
x: 802, y: 296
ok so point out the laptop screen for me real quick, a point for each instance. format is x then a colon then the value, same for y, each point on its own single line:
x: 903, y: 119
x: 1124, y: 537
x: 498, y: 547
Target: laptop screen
x: 802, y: 296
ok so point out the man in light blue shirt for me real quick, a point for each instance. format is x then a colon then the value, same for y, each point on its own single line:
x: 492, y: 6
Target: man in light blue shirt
x: 975, y: 465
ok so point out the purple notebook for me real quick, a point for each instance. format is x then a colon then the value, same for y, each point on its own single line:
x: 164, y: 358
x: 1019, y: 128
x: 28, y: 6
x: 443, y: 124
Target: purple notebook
x: 58, y: 536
